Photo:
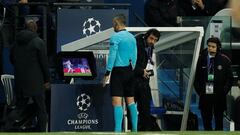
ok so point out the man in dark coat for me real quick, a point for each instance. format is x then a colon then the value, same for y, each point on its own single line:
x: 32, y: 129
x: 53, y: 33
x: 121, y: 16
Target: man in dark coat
x: 213, y: 81
x: 30, y: 62
x: 143, y: 97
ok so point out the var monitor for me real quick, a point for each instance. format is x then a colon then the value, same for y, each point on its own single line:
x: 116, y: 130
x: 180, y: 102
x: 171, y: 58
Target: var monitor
x: 77, y: 65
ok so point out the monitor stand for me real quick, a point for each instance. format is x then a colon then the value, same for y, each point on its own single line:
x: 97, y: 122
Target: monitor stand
x: 71, y: 81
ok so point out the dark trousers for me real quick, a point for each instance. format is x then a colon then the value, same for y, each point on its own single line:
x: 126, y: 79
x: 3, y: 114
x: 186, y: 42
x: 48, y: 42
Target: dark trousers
x: 143, y: 99
x: 39, y: 109
x: 207, y: 112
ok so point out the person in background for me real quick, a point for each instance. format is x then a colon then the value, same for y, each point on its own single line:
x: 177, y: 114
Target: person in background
x: 203, y: 7
x: 213, y: 81
x: 7, y: 28
x: 30, y: 62
x: 121, y: 63
x: 143, y: 97
x: 235, y: 5
x: 200, y: 7
x: 163, y: 13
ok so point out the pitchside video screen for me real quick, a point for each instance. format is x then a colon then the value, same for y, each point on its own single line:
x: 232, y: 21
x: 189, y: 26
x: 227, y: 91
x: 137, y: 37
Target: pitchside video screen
x: 76, y: 67
x: 77, y: 64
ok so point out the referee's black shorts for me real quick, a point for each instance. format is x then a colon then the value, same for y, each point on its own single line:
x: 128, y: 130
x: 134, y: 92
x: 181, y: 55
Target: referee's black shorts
x: 121, y: 82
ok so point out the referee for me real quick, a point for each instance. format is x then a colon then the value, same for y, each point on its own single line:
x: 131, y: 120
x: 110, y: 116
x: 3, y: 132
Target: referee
x: 121, y: 63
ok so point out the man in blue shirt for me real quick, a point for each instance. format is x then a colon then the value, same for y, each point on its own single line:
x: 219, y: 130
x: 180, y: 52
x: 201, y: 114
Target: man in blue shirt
x: 121, y: 63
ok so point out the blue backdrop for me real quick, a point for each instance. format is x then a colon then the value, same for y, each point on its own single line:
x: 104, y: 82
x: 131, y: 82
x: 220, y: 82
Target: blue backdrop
x: 71, y: 23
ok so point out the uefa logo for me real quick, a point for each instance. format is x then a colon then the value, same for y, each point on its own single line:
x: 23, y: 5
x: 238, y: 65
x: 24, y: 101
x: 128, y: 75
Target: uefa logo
x: 83, y: 102
x: 91, y: 26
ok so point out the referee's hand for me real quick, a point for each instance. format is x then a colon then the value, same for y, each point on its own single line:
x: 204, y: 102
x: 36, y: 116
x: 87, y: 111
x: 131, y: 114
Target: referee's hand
x: 145, y: 74
x: 105, y: 80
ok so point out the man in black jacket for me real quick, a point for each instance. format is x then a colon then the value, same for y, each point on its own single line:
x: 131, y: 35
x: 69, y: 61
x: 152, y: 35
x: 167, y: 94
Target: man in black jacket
x: 213, y: 81
x: 30, y: 62
x: 143, y: 97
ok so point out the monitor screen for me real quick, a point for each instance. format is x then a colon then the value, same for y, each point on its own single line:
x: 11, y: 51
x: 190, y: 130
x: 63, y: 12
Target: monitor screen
x: 77, y: 64
x: 76, y: 67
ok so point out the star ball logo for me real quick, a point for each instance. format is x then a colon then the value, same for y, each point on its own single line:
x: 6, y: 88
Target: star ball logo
x: 91, y: 26
x: 84, y: 121
x: 83, y: 102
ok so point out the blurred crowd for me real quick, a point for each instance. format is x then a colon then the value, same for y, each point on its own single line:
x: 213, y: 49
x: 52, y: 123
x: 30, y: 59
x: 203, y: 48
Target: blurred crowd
x: 165, y: 13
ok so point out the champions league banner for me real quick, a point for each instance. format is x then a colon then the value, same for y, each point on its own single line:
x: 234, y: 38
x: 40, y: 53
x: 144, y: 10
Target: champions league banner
x: 81, y: 108
x: 74, y: 24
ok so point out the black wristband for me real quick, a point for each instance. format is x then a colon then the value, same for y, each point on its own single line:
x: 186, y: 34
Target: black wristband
x: 107, y: 73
